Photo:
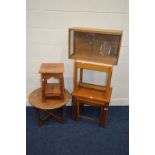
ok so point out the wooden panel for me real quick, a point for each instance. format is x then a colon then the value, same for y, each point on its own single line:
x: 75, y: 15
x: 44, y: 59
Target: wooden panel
x: 94, y: 58
x: 89, y: 118
x: 95, y: 45
x: 96, y: 30
x: 52, y: 89
x: 92, y: 66
x: 92, y: 86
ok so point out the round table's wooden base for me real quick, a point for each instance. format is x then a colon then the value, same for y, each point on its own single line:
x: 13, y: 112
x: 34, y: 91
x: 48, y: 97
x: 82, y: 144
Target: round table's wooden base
x: 53, y: 108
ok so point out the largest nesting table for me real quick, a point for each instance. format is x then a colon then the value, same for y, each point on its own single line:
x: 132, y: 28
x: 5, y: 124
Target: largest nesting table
x: 54, y: 108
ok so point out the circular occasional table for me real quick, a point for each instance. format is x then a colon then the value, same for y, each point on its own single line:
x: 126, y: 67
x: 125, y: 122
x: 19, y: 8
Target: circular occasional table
x: 51, y: 108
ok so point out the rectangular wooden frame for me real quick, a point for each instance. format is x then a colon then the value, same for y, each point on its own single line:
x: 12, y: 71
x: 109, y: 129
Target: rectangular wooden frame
x: 107, y: 60
x: 94, y: 67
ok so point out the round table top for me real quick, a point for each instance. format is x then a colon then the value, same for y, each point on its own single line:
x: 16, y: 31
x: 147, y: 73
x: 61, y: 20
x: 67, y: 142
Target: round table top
x: 35, y: 99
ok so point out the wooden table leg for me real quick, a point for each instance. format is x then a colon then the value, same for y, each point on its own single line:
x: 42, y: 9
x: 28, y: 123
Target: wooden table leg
x: 60, y: 117
x: 105, y: 116
x: 77, y: 109
x: 81, y: 107
x: 62, y: 86
x: 63, y: 113
x: 73, y: 107
x: 37, y: 114
x: 41, y: 121
x: 101, y: 116
x: 43, y: 87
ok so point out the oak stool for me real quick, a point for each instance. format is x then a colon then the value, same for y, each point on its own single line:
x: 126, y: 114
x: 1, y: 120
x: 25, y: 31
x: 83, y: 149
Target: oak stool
x: 52, y: 70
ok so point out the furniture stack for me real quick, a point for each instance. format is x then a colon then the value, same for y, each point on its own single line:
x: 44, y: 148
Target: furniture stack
x: 91, y: 49
x: 96, y: 50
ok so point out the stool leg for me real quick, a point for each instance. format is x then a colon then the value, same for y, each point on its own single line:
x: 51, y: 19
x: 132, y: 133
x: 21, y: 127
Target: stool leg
x: 81, y: 107
x: 43, y: 88
x: 101, y: 116
x: 105, y: 116
x: 62, y: 86
x: 63, y: 113
x: 77, y: 109
x: 73, y: 108
x: 81, y: 74
x: 37, y: 114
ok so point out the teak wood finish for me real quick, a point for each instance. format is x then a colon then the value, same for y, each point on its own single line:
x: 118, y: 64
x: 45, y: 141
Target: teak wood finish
x: 53, y: 108
x: 90, y: 94
x: 87, y: 50
x: 54, y: 70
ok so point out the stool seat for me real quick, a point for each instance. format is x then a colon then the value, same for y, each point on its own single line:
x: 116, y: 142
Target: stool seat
x: 47, y: 68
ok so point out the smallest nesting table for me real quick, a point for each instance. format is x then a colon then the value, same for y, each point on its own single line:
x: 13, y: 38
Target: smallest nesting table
x: 53, y: 108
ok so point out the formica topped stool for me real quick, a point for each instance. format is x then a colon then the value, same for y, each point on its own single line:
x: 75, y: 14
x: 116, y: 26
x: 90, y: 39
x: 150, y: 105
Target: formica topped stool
x: 52, y: 70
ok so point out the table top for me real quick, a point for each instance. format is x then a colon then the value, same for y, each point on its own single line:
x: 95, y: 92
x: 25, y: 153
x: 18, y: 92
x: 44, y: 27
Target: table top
x: 51, y: 68
x: 94, y: 95
x: 35, y: 99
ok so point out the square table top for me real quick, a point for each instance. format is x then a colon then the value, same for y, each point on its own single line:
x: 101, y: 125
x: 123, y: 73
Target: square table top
x: 47, y: 68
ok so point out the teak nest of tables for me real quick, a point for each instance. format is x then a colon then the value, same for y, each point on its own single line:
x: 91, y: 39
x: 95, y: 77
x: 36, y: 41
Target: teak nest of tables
x: 91, y: 94
x: 96, y: 50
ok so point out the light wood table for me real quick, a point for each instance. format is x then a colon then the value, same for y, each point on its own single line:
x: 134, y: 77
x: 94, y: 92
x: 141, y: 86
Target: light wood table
x: 53, y: 108
x: 91, y: 94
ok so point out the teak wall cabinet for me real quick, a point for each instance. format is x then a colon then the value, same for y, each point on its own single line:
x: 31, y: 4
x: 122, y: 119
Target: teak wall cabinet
x: 98, y: 50
x: 95, y: 45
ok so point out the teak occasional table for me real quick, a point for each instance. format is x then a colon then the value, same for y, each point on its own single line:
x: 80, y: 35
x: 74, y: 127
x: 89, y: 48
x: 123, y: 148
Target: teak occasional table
x: 51, y: 98
x: 52, y: 107
x: 91, y: 94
